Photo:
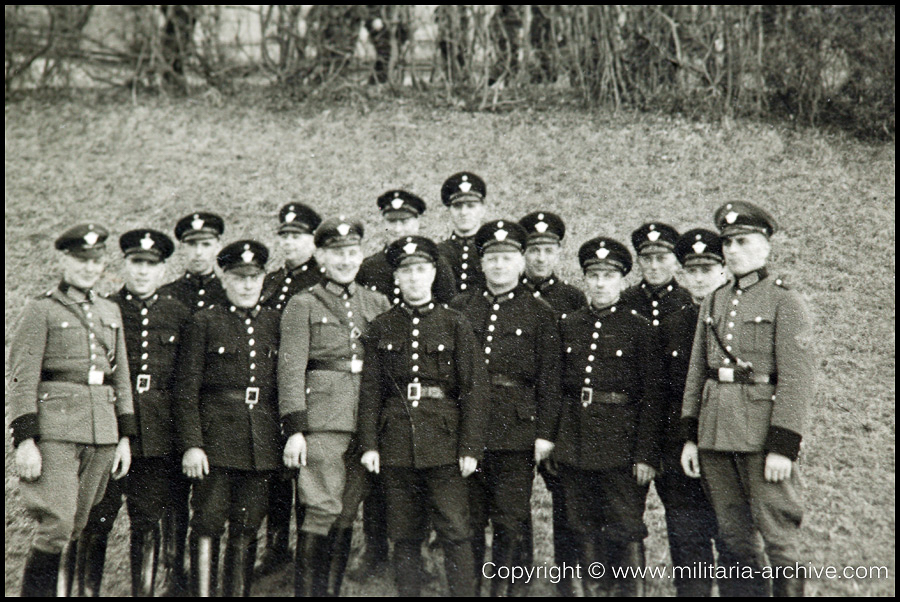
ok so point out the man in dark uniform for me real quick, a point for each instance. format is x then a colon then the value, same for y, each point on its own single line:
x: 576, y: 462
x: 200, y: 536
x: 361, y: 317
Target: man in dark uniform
x: 750, y: 382
x: 542, y: 252
x: 154, y: 327
x: 297, y: 222
x: 199, y: 288
x: 658, y: 294
x: 463, y: 194
x: 422, y: 412
x: 69, y: 405
x: 226, y: 415
x: 401, y: 211
x: 318, y: 384
x: 518, y: 343
x: 608, y: 421
x: 200, y: 237
x: 690, y: 519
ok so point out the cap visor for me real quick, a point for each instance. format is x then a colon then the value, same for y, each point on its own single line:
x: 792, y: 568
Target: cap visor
x: 655, y: 248
x: 146, y: 255
x: 198, y: 235
x: 95, y: 253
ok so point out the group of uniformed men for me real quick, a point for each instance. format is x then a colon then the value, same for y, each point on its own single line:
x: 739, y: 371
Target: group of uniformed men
x: 428, y: 381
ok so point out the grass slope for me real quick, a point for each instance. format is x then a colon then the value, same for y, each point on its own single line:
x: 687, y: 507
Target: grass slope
x: 127, y: 166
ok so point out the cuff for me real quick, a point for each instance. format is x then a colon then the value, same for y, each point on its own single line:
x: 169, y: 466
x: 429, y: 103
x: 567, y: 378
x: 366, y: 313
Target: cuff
x: 689, y: 428
x: 471, y: 452
x: 295, y: 422
x: 23, y: 428
x: 127, y: 425
x: 783, y: 441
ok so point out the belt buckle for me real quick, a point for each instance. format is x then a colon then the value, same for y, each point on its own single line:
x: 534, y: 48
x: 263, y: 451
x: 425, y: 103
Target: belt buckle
x: 143, y: 383
x: 252, y: 396
x: 726, y: 375
x: 356, y: 365
x: 95, y: 377
x: 414, y: 391
x: 587, y: 396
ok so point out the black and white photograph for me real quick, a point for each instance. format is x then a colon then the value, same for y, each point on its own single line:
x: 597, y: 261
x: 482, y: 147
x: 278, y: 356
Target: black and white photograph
x: 450, y: 300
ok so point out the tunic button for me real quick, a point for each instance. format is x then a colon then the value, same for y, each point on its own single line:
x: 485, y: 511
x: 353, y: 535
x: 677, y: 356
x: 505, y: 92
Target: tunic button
x: 739, y: 292
x: 253, y: 379
x: 596, y: 335
x: 463, y: 275
x: 618, y: 353
x: 94, y: 356
x: 281, y: 297
x: 731, y: 325
x: 144, y: 344
x: 491, y: 328
x: 495, y: 307
x: 144, y: 312
x: 415, y: 368
x: 91, y: 335
x: 144, y: 333
x: 465, y: 266
x: 415, y: 332
x: 656, y: 322
x: 490, y: 338
x: 465, y: 255
x: 734, y: 302
x: 518, y: 332
x: 655, y: 312
x: 588, y: 369
x: 587, y: 381
x: 493, y: 319
x: 415, y: 320
x: 734, y: 313
x: 675, y: 354
x: 415, y: 344
x: 415, y: 356
x: 287, y: 280
x: 726, y: 361
x: 144, y: 367
x: 729, y: 336
x: 251, y: 342
x: 145, y: 321
x: 253, y: 354
x: 415, y: 404
x: 144, y: 356
x: 593, y: 347
x: 253, y: 366
x: 596, y: 324
x: 349, y: 314
x: 250, y: 330
x: 247, y: 321
x: 440, y: 347
x: 590, y: 358
x: 199, y: 303
x: 462, y: 286
x: 655, y: 303
x: 90, y: 315
x: 727, y: 348
x: 201, y: 292
x: 487, y: 350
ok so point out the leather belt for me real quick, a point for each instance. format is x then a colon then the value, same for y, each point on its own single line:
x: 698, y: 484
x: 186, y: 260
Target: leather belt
x: 93, y: 377
x: 589, y: 396
x: 501, y: 380
x: 416, y: 391
x: 741, y: 376
x: 248, y: 395
x: 352, y: 366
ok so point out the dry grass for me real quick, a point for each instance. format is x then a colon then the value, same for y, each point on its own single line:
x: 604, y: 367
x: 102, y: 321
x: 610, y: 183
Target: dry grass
x: 147, y: 164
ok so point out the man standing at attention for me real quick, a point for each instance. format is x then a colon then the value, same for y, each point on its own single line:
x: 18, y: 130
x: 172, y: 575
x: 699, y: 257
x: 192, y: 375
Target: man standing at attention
x: 750, y: 383
x: 463, y: 194
x: 658, y: 294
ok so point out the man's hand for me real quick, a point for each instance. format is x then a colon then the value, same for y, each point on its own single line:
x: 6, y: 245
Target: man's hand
x: 542, y: 450
x: 467, y: 465
x: 372, y: 461
x: 28, y: 460
x: 195, y: 464
x: 122, y: 461
x: 295, y: 451
x: 690, y: 460
x: 778, y: 467
x: 644, y: 473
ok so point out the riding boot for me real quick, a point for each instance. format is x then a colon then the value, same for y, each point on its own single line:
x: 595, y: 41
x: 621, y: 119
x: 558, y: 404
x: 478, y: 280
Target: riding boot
x: 732, y: 584
x: 41, y: 574
x: 503, y: 552
x: 630, y: 555
x: 408, y: 568
x: 340, y: 553
x: 312, y: 562
x: 276, y: 554
x: 595, y: 549
x: 89, y: 566
x: 174, y: 542
x: 239, y: 560
x: 204, y: 566
x: 65, y: 582
x: 458, y: 567
x: 144, y: 561
x: 782, y: 587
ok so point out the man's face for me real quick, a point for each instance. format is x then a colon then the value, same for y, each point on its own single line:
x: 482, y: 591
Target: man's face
x: 467, y: 217
x: 415, y: 280
x: 702, y: 279
x: 604, y: 285
x: 143, y: 276
x: 502, y: 269
x: 541, y: 260
x: 297, y: 247
x: 745, y: 253
x: 82, y: 272
x: 401, y: 223
x: 200, y: 254
x: 341, y: 263
x: 658, y: 268
x: 243, y: 290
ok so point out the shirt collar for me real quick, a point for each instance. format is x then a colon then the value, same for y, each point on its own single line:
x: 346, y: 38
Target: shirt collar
x: 508, y: 296
x: 539, y: 285
x: 243, y: 312
x: 464, y: 239
x: 336, y: 288
x: 203, y: 279
x: 748, y: 280
x: 131, y: 297
x: 309, y: 266
x: 76, y: 293
x: 658, y: 292
x: 418, y: 310
x: 603, y: 311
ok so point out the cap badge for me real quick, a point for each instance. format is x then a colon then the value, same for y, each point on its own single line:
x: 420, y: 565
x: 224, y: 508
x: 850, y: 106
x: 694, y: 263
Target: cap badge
x: 501, y: 235
x: 147, y: 242
x: 343, y: 229
x: 731, y: 216
x: 540, y: 227
x: 465, y: 186
x: 197, y: 223
x: 247, y: 256
x: 410, y: 248
x: 602, y: 253
x: 91, y: 238
x: 699, y: 247
x: 396, y: 203
x: 290, y: 216
x: 653, y: 236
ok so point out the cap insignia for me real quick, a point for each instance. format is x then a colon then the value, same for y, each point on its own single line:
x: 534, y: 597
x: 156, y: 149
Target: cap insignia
x: 698, y: 236
x: 541, y: 227
x: 247, y: 256
x: 396, y: 203
x: 91, y: 238
x: 343, y: 229
x: 197, y: 223
x: 465, y: 186
x: 147, y: 242
x: 410, y: 248
x: 501, y: 235
x: 652, y: 236
x: 731, y: 216
x: 699, y: 247
x: 602, y: 253
x: 290, y: 216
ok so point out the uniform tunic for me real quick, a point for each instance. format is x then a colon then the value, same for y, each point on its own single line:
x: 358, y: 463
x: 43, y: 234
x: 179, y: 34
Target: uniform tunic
x: 68, y: 388
x: 655, y: 302
x: 460, y: 252
x: 284, y: 283
x: 196, y: 292
x: 759, y: 321
x: 377, y: 275
x: 562, y: 296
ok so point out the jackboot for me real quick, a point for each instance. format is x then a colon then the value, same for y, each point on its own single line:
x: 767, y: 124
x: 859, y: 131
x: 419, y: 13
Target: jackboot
x: 733, y: 585
x: 90, y: 562
x: 65, y: 582
x: 504, y: 549
x: 174, y: 549
x: 408, y: 568
x: 41, y: 574
x: 478, y: 551
x: 375, y: 557
x: 310, y: 571
x: 240, y: 556
x: 458, y: 567
x: 204, y: 572
x: 144, y: 561
x: 595, y: 548
x: 629, y: 555
x: 782, y: 587
x: 339, y: 542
